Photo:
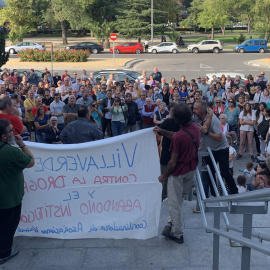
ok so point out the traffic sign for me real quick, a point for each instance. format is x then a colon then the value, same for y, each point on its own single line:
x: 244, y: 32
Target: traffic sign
x: 113, y: 37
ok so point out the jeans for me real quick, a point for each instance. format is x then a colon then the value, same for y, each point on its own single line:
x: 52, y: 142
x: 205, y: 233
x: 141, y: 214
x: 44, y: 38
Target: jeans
x: 105, y: 122
x: 130, y: 128
x: 9, y: 220
x: 243, y: 135
x: 117, y: 128
x: 222, y: 158
x: 40, y: 138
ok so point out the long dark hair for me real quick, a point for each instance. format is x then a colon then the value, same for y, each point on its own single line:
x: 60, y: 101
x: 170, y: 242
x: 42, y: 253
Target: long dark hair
x: 245, y: 110
x: 258, y: 109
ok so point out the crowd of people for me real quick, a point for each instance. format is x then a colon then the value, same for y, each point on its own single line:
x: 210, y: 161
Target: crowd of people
x: 221, y: 113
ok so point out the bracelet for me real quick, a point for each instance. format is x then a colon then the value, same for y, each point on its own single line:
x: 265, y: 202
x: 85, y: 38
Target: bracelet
x: 22, y: 146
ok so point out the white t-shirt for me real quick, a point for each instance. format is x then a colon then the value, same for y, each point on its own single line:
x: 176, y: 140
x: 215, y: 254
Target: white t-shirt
x: 241, y: 189
x: 248, y: 117
x: 249, y: 176
x: 231, y: 151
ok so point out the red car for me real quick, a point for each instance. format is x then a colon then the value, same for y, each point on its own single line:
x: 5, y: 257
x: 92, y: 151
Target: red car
x: 128, y: 47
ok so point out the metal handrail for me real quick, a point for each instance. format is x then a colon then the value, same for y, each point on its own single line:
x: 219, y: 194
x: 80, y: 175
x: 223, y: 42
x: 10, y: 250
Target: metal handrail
x: 247, y: 232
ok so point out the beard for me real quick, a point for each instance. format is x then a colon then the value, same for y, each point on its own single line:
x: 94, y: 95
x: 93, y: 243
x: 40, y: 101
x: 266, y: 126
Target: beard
x: 11, y: 140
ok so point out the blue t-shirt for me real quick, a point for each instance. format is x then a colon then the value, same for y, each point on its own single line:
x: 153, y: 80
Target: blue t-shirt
x: 97, y: 117
x: 41, y: 123
x: 183, y: 94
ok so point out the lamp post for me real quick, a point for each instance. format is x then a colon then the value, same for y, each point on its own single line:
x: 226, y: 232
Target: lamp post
x: 152, y: 21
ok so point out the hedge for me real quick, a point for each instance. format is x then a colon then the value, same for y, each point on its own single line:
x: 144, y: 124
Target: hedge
x: 35, y: 55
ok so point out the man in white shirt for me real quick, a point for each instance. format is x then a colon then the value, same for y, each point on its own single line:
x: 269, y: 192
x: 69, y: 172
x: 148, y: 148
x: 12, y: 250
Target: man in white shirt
x: 84, y: 76
x: 56, y: 109
x: 141, y: 78
x: 257, y: 96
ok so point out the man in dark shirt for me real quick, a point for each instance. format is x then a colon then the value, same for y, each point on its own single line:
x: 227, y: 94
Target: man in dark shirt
x: 181, y: 168
x: 171, y: 125
x: 81, y: 130
x: 251, y: 87
x: 157, y: 75
x: 132, y: 113
x: 47, y: 100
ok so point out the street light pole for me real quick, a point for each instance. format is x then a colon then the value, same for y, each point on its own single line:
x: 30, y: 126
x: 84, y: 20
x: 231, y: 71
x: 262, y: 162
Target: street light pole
x: 152, y: 21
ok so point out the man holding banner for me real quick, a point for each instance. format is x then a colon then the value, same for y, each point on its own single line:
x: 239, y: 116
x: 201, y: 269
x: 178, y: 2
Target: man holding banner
x: 12, y: 163
x: 181, y: 168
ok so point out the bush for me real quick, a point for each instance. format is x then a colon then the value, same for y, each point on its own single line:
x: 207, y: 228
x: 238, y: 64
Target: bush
x: 239, y: 40
x: 30, y: 55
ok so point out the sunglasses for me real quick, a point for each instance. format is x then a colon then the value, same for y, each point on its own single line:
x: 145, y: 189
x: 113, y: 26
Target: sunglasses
x: 218, y: 102
x: 230, y: 101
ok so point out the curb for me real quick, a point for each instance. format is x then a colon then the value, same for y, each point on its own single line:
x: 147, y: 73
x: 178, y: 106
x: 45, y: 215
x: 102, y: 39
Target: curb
x: 257, y: 63
x: 132, y: 63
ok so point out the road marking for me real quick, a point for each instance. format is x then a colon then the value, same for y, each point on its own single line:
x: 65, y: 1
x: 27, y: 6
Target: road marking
x: 210, y: 70
x: 238, y: 70
x: 204, y: 66
x: 195, y: 70
x: 226, y: 70
x: 254, y: 70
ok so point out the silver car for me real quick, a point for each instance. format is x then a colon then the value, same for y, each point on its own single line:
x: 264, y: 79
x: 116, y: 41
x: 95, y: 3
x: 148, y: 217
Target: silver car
x: 24, y: 45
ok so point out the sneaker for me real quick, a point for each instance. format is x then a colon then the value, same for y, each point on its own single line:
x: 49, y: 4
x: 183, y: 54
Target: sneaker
x: 167, y: 231
x: 252, y: 158
x: 238, y: 157
x: 178, y: 240
x: 13, y: 253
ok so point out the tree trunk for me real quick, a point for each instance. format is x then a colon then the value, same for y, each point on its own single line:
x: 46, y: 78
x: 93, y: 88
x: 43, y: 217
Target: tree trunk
x: 106, y: 44
x: 212, y: 32
x: 64, y: 33
x: 92, y: 34
x: 139, y: 39
x: 249, y: 26
x: 223, y: 30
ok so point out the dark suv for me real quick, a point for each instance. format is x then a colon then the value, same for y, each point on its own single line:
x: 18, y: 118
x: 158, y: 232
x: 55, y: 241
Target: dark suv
x: 90, y: 46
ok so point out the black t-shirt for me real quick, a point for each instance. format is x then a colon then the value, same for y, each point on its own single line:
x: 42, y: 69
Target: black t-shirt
x: 47, y: 101
x: 251, y: 89
x: 170, y: 125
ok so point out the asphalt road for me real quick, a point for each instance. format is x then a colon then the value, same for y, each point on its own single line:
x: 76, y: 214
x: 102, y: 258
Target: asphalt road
x: 190, y: 65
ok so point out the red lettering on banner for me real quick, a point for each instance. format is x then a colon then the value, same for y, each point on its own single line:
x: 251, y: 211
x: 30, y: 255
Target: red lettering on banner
x: 43, y: 184
x: 131, y: 178
x: 110, y: 206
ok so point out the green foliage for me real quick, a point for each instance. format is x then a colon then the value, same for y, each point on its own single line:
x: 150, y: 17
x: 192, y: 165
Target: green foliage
x: 174, y: 36
x: 134, y: 19
x: 240, y: 39
x: 199, y: 39
x: 30, y: 55
x: 262, y: 18
x: 96, y: 29
x: 17, y: 34
x: 18, y: 13
x: 3, y: 55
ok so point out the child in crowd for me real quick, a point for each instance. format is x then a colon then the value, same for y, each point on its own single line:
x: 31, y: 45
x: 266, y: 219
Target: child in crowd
x: 232, y: 153
x: 241, y: 184
x: 249, y: 172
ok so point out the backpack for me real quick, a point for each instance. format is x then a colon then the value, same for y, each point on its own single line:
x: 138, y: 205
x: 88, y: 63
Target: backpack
x: 263, y: 129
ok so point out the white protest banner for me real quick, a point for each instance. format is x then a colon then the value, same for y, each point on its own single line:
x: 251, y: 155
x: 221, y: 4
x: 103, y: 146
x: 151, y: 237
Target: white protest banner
x: 102, y: 189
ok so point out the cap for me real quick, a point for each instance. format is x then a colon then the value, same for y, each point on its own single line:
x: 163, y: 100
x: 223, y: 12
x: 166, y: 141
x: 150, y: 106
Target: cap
x: 262, y: 165
x: 251, y: 78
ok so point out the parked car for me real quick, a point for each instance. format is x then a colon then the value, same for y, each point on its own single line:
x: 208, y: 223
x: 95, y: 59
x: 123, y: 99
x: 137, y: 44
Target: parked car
x: 128, y: 47
x: 119, y: 75
x: 232, y: 75
x: 206, y: 45
x: 252, y: 45
x: 90, y: 46
x: 24, y: 45
x: 164, y: 47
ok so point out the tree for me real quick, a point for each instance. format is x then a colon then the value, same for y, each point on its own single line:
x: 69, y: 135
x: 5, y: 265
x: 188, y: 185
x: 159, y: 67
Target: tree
x: 262, y: 19
x: 134, y: 19
x: 3, y: 55
x: 213, y: 14
x: 18, y: 15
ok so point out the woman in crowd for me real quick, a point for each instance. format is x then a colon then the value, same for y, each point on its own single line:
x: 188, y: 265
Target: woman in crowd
x: 41, y: 123
x: 52, y: 133
x: 262, y: 179
x: 148, y: 114
x: 247, y: 120
x: 151, y: 80
x: 17, y: 102
x: 118, y: 117
x: 265, y: 98
x: 183, y: 93
x: 161, y: 114
x: 226, y: 95
x: 263, y: 127
x: 96, y: 113
x: 165, y: 94
x: 172, y: 82
x: 241, y: 103
x: 224, y: 125
x: 219, y: 107
x: 258, y: 114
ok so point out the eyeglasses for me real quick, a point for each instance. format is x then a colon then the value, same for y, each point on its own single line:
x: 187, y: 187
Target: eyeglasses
x: 12, y: 130
x: 74, y: 74
x: 229, y: 88
x: 218, y: 102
